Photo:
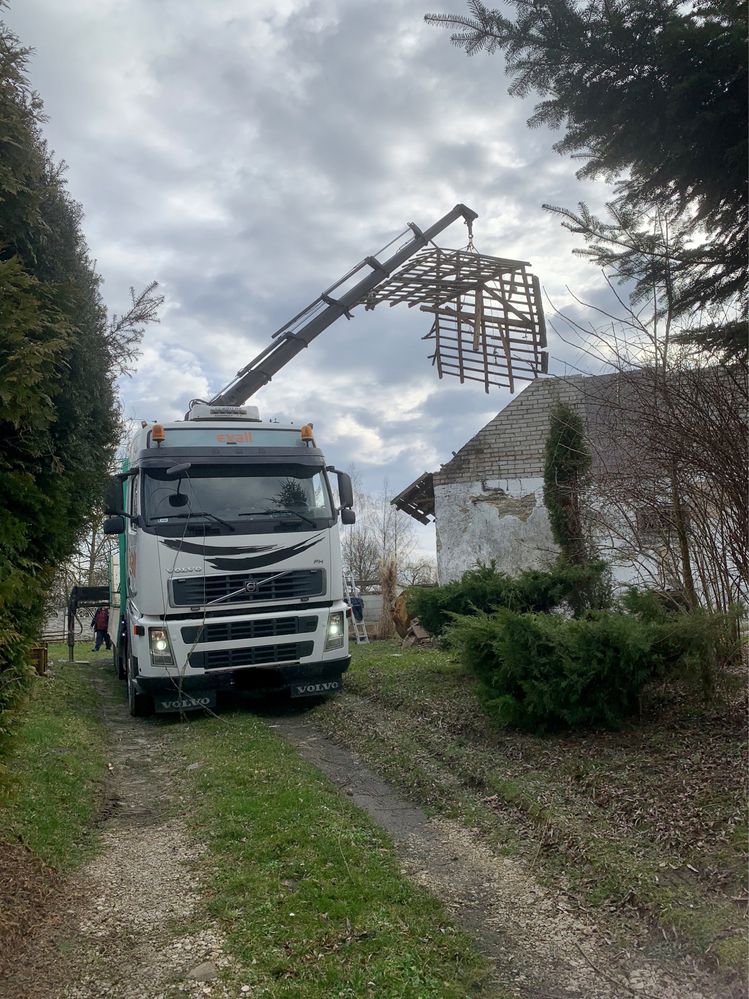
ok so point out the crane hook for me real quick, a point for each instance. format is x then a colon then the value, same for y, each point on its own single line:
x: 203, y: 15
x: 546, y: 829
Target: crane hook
x: 471, y: 248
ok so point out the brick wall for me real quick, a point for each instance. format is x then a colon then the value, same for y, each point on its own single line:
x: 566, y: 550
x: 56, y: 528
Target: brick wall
x: 511, y: 445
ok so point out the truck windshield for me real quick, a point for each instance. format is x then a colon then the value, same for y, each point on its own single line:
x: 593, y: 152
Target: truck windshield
x: 250, y: 497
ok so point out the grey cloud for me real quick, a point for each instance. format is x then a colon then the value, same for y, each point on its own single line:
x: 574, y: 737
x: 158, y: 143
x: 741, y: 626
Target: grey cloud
x: 246, y: 157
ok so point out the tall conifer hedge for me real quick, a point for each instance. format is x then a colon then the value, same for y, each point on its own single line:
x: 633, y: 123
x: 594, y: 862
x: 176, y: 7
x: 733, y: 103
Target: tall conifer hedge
x: 58, y: 411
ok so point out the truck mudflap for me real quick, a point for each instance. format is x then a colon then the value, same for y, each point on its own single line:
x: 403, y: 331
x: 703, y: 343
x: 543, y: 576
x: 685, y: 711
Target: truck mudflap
x: 193, y: 693
x: 315, y: 688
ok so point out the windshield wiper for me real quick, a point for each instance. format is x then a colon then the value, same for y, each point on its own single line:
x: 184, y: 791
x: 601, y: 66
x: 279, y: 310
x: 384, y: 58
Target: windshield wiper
x: 202, y: 513
x: 273, y: 513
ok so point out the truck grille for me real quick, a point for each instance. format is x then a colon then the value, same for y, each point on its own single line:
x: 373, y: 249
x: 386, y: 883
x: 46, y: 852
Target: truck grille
x: 239, y: 631
x: 297, y: 583
x: 261, y: 655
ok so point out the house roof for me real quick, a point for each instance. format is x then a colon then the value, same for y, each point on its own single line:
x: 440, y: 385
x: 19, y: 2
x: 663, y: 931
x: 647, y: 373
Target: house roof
x: 511, y: 446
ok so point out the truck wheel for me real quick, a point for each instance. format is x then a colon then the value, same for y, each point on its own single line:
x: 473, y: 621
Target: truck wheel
x: 139, y: 704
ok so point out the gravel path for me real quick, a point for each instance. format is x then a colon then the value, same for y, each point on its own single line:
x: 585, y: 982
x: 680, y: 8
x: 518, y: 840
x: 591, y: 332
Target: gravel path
x: 128, y: 924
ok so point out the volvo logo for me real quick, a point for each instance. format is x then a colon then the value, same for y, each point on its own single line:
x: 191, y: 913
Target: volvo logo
x: 188, y: 568
x: 250, y: 586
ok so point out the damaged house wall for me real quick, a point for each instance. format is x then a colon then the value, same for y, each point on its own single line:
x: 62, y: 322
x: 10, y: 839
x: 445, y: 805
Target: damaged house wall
x: 666, y: 503
x: 488, y: 500
x: 492, y: 520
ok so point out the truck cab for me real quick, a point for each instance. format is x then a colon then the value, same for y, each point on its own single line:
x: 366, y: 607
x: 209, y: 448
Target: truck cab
x: 228, y: 574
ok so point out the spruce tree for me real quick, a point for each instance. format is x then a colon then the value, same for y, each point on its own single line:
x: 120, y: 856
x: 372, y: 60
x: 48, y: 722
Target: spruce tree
x: 651, y: 94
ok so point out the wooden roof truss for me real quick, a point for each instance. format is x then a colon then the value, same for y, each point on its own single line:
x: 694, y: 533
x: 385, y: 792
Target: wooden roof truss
x: 488, y: 323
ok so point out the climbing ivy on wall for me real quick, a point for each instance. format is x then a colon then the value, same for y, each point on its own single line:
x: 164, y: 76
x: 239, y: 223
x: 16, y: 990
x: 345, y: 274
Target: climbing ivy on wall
x: 566, y: 469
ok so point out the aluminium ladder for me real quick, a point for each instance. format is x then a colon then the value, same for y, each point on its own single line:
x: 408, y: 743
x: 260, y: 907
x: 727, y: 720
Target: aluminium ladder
x: 359, y: 627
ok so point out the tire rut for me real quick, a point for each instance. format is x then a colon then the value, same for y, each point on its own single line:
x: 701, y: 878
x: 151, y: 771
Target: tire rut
x: 129, y: 924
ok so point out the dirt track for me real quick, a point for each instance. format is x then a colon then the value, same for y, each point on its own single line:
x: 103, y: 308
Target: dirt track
x: 540, y: 948
x: 130, y: 924
x: 125, y: 925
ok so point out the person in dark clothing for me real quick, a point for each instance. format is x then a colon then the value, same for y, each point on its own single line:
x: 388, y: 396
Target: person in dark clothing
x: 100, y: 623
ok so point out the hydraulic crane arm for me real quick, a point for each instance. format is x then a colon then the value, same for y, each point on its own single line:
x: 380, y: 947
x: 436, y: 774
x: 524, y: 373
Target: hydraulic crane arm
x: 300, y: 331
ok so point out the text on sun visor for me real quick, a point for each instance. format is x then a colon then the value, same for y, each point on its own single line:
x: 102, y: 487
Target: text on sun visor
x: 205, y: 437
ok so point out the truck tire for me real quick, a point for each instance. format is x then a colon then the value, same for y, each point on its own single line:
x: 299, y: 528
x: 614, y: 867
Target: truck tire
x: 139, y: 704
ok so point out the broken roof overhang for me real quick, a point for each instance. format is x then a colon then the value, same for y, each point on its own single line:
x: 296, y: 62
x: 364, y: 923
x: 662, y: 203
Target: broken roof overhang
x: 417, y: 500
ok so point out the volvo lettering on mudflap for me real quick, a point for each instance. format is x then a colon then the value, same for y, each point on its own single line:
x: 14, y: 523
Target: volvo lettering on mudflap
x: 315, y: 689
x: 228, y: 574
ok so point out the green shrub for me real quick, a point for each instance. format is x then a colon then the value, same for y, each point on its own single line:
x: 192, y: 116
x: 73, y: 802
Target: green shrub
x: 653, y: 605
x: 544, y: 671
x: 696, y: 644
x: 485, y: 589
x: 541, y: 672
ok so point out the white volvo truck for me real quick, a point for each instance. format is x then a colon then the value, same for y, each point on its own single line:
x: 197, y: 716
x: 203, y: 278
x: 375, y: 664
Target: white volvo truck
x: 229, y: 570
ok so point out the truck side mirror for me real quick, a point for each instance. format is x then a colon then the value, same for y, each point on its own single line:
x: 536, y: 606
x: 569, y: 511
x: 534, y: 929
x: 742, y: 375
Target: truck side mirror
x: 114, y: 525
x: 345, y: 489
x: 113, y: 495
x: 348, y: 516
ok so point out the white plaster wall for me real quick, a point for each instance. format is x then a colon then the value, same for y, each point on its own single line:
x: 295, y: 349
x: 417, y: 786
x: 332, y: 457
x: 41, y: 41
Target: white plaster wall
x: 471, y: 527
x: 630, y: 564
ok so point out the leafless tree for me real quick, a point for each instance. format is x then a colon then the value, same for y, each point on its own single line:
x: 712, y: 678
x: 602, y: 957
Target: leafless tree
x: 668, y: 434
x: 125, y: 332
x: 361, y: 556
x: 381, y: 534
x: 393, y: 529
x: 88, y: 565
x: 418, y: 572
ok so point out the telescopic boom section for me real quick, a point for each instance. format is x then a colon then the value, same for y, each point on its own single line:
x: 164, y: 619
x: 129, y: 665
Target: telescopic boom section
x: 300, y: 331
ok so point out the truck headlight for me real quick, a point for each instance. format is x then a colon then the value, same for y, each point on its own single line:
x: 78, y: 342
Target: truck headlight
x: 335, y: 632
x: 160, y: 646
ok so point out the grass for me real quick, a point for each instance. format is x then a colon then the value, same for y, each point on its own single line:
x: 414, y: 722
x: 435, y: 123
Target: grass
x: 52, y: 767
x: 306, y: 888
x: 651, y: 817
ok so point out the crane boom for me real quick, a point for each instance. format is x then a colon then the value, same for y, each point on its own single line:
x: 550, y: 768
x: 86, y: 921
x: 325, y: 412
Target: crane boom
x: 300, y: 331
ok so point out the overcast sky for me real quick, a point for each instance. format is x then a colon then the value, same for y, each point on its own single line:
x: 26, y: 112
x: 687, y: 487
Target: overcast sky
x: 245, y: 155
